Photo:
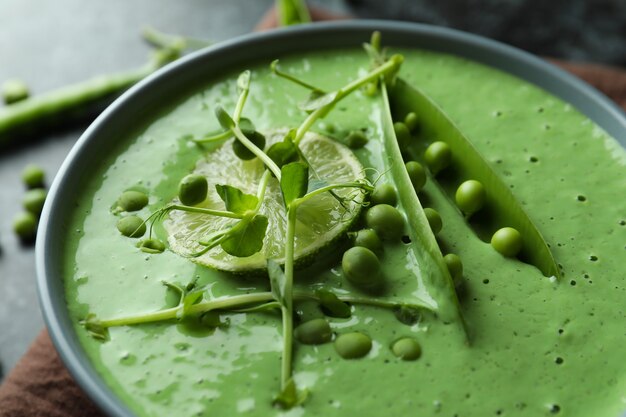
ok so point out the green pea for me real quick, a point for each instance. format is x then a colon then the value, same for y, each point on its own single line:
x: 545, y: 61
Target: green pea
x: 132, y: 200
x: 34, y: 199
x: 353, y: 345
x: 193, y: 189
x: 14, y: 91
x: 151, y: 245
x: 507, y: 241
x: 402, y: 134
x: 244, y: 153
x: 367, y: 238
x: 25, y: 225
x: 33, y: 176
x: 361, y: 266
x: 417, y: 174
x: 470, y: 197
x: 411, y: 121
x: 406, y: 349
x: 434, y: 220
x: 387, y: 221
x: 131, y: 226
x: 455, y: 267
x: 313, y: 332
x: 356, y: 139
x: 438, y: 156
x: 384, y: 194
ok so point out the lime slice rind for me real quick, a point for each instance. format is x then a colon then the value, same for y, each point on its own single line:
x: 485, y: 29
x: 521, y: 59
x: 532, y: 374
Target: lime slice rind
x: 320, y: 220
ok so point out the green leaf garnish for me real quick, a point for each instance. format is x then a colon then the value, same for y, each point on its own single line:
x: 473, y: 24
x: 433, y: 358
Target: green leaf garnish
x: 294, y: 181
x: 236, y: 200
x: 246, y: 126
x: 224, y: 118
x: 332, y: 305
x: 284, y: 152
x: 246, y: 237
x: 290, y: 397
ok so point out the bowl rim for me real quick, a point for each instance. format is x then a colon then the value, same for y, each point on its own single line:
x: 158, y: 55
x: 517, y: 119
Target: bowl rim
x: 509, y: 59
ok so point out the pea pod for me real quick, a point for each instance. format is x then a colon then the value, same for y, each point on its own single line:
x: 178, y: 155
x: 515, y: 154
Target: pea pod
x: 430, y: 269
x: 468, y: 163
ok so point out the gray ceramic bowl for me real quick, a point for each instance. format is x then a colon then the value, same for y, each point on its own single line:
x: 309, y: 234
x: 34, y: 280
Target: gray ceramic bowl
x: 181, y: 75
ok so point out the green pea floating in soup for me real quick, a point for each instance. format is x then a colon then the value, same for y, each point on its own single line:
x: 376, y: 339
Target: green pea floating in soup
x: 470, y: 196
x: 132, y: 200
x: 257, y: 138
x: 131, y: 226
x: 193, y: 189
x: 411, y: 121
x: 367, y: 238
x: 438, y: 156
x: 406, y: 349
x: 402, y: 134
x: 507, y: 241
x: 384, y: 194
x: 361, y: 266
x: 314, y: 332
x: 386, y: 221
x: 353, y: 345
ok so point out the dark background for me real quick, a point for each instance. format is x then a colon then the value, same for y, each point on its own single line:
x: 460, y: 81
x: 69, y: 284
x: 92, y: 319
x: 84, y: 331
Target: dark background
x: 50, y: 44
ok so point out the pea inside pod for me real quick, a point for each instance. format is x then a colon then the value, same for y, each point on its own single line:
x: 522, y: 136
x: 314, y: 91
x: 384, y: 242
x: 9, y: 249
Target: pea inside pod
x: 470, y: 197
x: 438, y: 156
x: 507, y: 241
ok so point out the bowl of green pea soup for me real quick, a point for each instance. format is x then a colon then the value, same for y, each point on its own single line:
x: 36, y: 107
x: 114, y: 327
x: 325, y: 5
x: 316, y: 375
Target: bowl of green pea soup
x: 358, y: 218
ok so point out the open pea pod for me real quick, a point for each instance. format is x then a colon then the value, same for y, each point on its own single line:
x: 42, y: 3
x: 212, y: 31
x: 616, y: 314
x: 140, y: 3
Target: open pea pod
x: 468, y: 163
x: 430, y: 268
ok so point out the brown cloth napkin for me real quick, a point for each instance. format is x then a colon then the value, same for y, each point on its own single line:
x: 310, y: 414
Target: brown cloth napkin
x: 40, y: 386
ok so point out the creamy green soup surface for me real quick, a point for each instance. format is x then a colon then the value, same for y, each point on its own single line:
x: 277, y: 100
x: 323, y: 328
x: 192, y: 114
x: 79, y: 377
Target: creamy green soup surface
x: 539, y: 346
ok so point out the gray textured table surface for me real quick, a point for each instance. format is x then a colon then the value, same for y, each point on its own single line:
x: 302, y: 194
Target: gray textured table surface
x: 50, y: 44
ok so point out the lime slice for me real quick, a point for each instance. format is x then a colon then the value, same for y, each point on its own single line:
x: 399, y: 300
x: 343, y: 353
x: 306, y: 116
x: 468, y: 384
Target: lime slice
x: 320, y: 220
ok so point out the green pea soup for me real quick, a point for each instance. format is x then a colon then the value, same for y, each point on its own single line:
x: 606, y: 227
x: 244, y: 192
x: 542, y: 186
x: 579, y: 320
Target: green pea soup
x: 538, y: 346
